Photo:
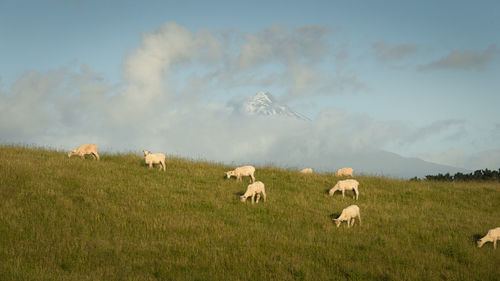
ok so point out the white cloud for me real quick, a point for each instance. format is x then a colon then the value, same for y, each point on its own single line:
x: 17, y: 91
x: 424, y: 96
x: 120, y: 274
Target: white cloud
x: 147, y: 68
x: 60, y: 102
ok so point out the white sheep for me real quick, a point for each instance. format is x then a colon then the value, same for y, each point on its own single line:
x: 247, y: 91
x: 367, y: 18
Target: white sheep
x: 156, y: 158
x: 346, y: 185
x: 85, y: 149
x: 241, y: 172
x: 348, y: 214
x: 253, y: 189
x: 306, y: 171
x: 492, y: 236
x: 344, y: 172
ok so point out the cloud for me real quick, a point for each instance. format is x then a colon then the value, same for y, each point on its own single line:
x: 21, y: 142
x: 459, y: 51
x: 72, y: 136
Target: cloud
x: 70, y: 106
x: 173, y: 64
x: 170, y: 101
x: 147, y: 68
x: 300, y: 61
x: 385, y: 52
x: 463, y: 60
x: 58, y: 102
x: 170, y: 72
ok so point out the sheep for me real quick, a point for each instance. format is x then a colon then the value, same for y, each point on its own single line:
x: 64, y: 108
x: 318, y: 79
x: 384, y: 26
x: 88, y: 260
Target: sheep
x: 85, y: 149
x: 346, y: 185
x: 344, y: 172
x: 253, y: 189
x: 492, y: 236
x: 242, y: 171
x: 157, y: 158
x: 348, y: 214
x: 306, y: 171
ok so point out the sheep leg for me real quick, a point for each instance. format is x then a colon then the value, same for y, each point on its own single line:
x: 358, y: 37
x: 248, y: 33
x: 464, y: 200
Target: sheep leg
x: 258, y: 197
x: 495, y: 243
x: 163, y: 165
x: 343, y: 191
x: 253, y: 198
x: 359, y: 217
x: 252, y: 177
x: 97, y: 156
x: 348, y: 223
x: 150, y: 165
x: 264, y: 195
x: 353, y: 221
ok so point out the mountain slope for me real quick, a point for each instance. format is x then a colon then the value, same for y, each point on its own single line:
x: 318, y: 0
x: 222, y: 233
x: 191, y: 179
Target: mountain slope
x: 114, y: 219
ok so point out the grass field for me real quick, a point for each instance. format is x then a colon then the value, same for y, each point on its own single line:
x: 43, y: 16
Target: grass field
x: 115, y: 219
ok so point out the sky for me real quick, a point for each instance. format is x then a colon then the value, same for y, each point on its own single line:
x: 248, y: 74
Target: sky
x: 416, y: 78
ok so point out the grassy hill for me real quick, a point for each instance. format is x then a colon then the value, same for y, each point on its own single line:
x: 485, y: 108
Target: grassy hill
x: 114, y: 219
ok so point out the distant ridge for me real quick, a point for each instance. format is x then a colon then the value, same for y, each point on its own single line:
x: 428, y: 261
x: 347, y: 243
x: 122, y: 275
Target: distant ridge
x: 380, y: 162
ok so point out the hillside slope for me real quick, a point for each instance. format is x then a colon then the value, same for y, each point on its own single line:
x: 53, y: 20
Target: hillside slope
x: 114, y: 219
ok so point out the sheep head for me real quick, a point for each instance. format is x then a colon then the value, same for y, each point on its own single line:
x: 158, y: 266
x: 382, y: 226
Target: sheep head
x: 71, y: 153
x: 480, y: 243
x: 229, y: 174
x: 331, y: 191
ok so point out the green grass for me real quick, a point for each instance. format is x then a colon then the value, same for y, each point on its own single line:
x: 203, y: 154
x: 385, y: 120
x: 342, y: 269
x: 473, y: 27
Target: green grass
x: 115, y: 219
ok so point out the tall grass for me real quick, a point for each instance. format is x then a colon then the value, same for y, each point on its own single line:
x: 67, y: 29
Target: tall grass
x: 115, y: 219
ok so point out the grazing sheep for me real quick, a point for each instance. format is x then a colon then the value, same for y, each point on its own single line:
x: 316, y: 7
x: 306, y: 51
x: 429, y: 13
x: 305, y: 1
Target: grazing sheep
x: 306, y: 171
x: 157, y: 158
x: 346, y: 185
x: 253, y: 189
x: 241, y: 172
x: 348, y: 214
x: 344, y: 172
x: 85, y: 149
x: 492, y: 236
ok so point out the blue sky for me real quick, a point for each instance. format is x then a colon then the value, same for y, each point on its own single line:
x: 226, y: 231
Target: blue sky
x: 418, y: 78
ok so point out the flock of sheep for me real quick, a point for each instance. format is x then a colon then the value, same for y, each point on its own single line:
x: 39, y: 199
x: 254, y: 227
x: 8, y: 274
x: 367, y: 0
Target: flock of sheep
x: 257, y: 188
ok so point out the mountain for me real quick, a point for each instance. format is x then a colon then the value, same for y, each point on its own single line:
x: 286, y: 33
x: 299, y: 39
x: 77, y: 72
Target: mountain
x: 374, y: 162
x: 265, y: 104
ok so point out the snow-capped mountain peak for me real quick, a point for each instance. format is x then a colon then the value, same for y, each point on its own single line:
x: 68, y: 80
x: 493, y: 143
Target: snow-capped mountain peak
x: 265, y: 104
